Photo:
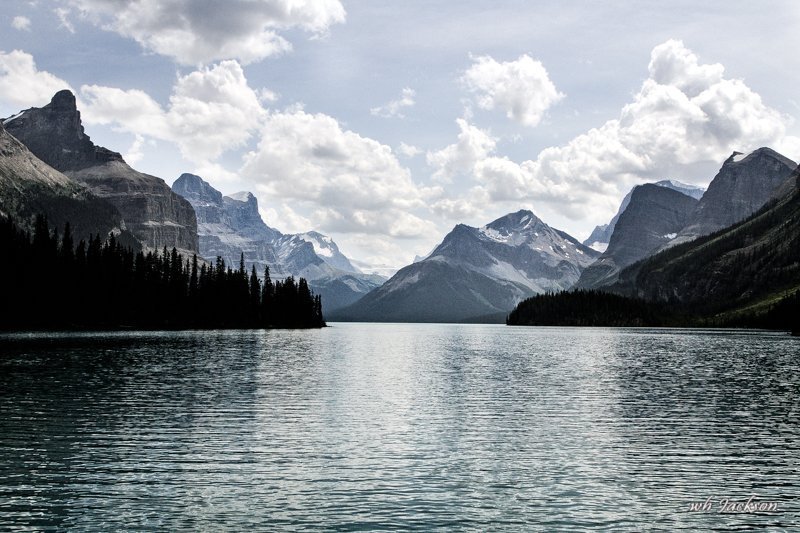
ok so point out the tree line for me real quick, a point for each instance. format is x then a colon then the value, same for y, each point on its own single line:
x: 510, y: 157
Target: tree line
x: 604, y: 309
x: 49, y: 282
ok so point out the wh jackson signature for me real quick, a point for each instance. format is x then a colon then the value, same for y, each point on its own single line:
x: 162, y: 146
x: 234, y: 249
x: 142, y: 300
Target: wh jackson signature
x: 727, y: 505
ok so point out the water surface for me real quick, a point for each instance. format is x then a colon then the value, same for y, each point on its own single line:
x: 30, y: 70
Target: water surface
x: 371, y: 426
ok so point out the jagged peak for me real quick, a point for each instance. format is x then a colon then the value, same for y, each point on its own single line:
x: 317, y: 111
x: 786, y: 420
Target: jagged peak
x: 763, y: 152
x: 64, y: 100
x: 517, y: 221
x: 243, y: 196
x: 193, y: 186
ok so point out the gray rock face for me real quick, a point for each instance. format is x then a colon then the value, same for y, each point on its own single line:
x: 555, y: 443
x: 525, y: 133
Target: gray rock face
x: 601, y: 235
x: 28, y: 187
x: 478, y: 274
x: 653, y: 217
x: 229, y: 226
x: 741, y: 187
x: 152, y: 212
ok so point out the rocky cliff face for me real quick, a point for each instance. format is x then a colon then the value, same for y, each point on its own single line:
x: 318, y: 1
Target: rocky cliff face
x: 601, y: 235
x: 152, y: 212
x: 229, y: 226
x: 653, y: 217
x: 478, y: 274
x: 28, y: 187
x: 748, y: 265
x: 742, y: 186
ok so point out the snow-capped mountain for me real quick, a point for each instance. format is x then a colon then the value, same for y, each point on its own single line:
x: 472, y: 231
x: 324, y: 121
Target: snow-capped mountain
x: 478, y: 274
x: 229, y: 226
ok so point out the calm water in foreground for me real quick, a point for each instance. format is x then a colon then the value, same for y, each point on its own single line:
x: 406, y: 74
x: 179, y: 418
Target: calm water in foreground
x: 367, y: 426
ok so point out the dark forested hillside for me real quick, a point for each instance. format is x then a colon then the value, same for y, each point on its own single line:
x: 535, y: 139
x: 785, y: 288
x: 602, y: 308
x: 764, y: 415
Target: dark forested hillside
x: 593, y: 308
x: 754, y: 262
x: 747, y: 275
x: 49, y: 282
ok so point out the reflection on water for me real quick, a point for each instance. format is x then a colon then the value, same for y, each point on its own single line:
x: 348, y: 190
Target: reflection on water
x: 368, y: 426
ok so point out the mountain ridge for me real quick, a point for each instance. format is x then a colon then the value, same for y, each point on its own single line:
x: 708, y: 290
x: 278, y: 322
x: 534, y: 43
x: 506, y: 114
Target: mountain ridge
x: 477, y: 272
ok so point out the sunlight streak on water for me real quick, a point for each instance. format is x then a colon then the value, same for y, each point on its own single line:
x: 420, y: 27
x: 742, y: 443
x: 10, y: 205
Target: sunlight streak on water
x: 363, y: 426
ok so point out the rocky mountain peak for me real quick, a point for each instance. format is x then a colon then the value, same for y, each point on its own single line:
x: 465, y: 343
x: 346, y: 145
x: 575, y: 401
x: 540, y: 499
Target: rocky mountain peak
x: 152, y: 212
x: 743, y: 184
x: 243, y: 209
x: 196, y: 190
x: 515, y: 222
x: 55, y: 134
x: 761, y: 156
x: 64, y: 102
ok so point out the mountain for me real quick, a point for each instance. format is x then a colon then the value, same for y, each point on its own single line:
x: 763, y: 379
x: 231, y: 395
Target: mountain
x: 653, y: 216
x: 28, y: 187
x: 601, y: 235
x: 743, y: 268
x: 743, y: 184
x: 231, y: 225
x: 152, y: 212
x: 477, y: 274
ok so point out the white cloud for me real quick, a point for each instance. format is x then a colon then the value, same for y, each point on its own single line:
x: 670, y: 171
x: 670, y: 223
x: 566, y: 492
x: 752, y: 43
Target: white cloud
x: 352, y: 184
x: 23, y: 85
x: 195, y: 33
x: 135, y: 153
x: 211, y: 110
x: 21, y: 23
x: 131, y: 110
x: 473, y: 144
x: 408, y: 150
x: 686, y: 113
x: 521, y: 88
x: 671, y: 63
x: 63, y: 17
x: 394, y: 109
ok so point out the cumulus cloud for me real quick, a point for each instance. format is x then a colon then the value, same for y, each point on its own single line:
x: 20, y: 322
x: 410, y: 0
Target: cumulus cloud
x: 21, y: 23
x: 408, y: 150
x: 353, y: 184
x: 211, y: 110
x: 521, y: 88
x: 473, y: 145
x: 195, y: 33
x: 22, y: 84
x: 686, y: 113
x: 394, y: 109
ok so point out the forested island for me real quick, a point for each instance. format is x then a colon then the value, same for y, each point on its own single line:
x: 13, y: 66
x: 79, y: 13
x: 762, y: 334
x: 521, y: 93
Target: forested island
x: 50, y: 282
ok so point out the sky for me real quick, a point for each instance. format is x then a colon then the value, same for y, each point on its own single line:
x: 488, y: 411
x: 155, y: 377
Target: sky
x: 384, y: 124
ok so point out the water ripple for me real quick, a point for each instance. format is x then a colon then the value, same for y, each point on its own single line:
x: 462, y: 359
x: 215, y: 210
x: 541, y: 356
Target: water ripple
x: 389, y: 427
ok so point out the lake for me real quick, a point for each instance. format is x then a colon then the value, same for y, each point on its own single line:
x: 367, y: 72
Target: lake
x: 400, y: 426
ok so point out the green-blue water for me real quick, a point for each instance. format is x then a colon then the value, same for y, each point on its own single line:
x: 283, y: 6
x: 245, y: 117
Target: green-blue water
x: 369, y: 426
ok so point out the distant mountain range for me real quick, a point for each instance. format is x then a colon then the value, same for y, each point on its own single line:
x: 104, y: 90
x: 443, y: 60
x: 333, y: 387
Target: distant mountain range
x: 477, y: 274
x: 229, y: 226
x: 746, y: 273
x: 719, y: 250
